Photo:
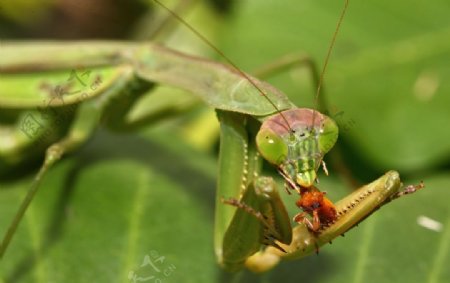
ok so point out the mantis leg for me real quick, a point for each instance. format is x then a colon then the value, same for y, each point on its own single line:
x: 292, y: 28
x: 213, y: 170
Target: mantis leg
x: 292, y: 61
x: 233, y: 180
x: 163, y: 24
x: 287, y: 62
x: 162, y: 103
x: 351, y: 210
x: 260, y: 220
x: 256, y: 215
x: 302, y: 218
x: 85, y: 122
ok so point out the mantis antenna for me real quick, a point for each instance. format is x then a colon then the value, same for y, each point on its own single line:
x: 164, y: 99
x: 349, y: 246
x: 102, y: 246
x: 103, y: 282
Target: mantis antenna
x: 229, y: 61
x: 327, y: 58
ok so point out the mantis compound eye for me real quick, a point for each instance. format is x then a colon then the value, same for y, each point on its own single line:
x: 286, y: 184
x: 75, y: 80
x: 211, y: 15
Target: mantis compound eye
x: 271, y: 146
x: 328, y: 135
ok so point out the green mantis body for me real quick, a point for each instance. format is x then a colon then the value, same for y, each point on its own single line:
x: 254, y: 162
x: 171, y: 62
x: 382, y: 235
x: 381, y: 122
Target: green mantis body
x: 35, y: 118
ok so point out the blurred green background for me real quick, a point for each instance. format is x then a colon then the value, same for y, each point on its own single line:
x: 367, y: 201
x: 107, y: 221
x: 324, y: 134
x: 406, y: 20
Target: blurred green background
x: 127, y: 198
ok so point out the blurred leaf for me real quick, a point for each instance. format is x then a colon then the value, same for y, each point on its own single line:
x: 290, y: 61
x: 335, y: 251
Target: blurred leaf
x: 25, y: 11
x: 101, y: 212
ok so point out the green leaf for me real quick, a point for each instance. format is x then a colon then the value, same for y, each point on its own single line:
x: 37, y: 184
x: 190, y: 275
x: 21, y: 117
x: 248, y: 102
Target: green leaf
x: 99, y: 214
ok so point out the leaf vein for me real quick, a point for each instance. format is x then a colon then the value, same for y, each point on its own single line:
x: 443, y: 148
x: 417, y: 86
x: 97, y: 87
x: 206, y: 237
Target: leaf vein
x: 364, y: 250
x: 135, y: 216
x: 39, y: 269
x: 443, y: 247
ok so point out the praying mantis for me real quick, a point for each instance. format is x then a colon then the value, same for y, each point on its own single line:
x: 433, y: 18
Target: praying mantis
x: 117, y: 73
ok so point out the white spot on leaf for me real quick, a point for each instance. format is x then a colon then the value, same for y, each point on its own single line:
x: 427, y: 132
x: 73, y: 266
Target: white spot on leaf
x: 426, y: 86
x: 429, y: 223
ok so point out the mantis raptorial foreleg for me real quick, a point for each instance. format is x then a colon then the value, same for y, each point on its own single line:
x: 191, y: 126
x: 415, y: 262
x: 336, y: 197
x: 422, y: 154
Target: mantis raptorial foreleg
x: 351, y: 210
x: 236, y: 174
x: 239, y: 167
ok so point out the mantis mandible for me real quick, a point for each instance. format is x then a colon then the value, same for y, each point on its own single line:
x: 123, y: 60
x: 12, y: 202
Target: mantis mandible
x: 257, y: 120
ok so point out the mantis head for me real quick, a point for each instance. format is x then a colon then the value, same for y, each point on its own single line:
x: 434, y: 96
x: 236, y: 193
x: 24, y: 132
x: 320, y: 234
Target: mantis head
x: 298, y: 148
